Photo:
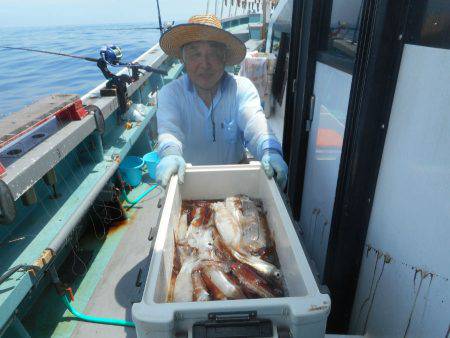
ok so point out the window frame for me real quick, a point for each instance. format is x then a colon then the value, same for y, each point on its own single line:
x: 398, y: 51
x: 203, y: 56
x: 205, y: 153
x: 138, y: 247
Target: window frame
x: 324, y: 55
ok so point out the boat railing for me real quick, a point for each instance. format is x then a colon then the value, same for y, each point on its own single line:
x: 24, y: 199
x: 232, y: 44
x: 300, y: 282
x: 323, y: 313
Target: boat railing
x: 81, y: 171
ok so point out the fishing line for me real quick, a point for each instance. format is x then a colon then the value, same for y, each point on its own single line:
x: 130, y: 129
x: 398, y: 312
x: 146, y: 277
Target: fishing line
x: 45, y: 209
x: 76, y: 256
x: 100, y: 218
x: 75, y: 232
x: 129, y: 29
x: 109, y: 219
x: 80, y: 165
x: 80, y: 180
x: 91, y: 160
x: 52, y: 199
x: 104, y: 218
x: 64, y: 161
x: 65, y: 182
x: 95, y: 230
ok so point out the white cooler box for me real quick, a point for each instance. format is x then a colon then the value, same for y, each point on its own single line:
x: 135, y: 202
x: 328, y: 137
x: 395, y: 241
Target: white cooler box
x: 304, y: 311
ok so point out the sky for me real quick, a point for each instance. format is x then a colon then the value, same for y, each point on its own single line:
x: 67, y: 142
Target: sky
x: 30, y: 13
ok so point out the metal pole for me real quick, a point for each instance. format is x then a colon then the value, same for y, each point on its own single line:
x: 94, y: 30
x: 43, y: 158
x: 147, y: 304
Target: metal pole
x: 207, y: 7
x: 221, y: 11
x: 215, y: 8
x: 229, y: 11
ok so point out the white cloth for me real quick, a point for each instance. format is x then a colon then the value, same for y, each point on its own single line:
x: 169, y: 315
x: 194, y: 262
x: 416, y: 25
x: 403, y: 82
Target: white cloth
x: 255, y: 68
x: 136, y: 113
x: 259, y: 68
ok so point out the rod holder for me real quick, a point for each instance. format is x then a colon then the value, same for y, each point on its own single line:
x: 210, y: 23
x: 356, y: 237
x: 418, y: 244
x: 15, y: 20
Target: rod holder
x: 97, y: 144
x: 7, y: 205
x: 29, y: 197
x: 50, y: 179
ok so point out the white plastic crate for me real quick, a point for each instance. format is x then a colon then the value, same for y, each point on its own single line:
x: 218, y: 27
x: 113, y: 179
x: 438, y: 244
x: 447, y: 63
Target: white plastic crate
x: 304, y: 311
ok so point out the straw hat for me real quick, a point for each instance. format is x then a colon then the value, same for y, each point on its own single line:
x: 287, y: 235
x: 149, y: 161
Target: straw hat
x: 202, y: 28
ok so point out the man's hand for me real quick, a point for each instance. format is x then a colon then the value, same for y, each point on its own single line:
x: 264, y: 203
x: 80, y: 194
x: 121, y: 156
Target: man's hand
x: 272, y: 162
x: 168, y: 166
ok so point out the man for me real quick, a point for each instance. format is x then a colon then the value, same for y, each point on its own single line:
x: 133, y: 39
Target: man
x: 208, y: 116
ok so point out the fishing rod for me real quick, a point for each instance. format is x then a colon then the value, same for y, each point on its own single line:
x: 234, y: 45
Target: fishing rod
x: 109, y: 56
x: 161, y: 28
x: 130, y: 29
x: 52, y: 53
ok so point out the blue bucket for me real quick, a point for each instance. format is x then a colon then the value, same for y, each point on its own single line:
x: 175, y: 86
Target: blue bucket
x: 131, y: 170
x: 151, y: 160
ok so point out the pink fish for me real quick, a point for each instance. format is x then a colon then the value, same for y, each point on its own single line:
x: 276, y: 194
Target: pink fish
x: 264, y: 268
x: 227, y: 225
x: 184, y: 289
x: 251, y: 281
x: 220, y: 283
x: 181, y: 228
x: 201, y: 293
x: 254, y: 230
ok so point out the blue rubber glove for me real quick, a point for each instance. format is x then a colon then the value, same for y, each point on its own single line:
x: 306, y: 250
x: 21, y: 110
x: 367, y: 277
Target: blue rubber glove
x: 272, y: 162
x: 168, y: 166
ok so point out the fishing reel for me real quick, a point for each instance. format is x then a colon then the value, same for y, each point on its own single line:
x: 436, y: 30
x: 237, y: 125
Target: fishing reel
x: 109, y: 56
x: 117, y: 84
x: 112, y: 55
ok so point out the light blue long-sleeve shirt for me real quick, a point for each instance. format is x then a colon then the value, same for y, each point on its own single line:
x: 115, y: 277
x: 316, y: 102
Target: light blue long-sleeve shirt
x: 214, y: 135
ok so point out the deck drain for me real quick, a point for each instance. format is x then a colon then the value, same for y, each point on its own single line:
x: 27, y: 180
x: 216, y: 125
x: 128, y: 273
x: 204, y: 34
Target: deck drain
x: 39, y: 135
x: 14, y: 152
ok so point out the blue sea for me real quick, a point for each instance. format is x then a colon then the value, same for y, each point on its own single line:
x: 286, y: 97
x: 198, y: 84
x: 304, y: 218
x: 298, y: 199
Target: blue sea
x: 27, y: 76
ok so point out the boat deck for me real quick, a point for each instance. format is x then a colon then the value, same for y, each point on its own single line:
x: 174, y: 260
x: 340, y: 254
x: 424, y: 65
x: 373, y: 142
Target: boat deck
x: 125, y: 273
x: 106, y: 286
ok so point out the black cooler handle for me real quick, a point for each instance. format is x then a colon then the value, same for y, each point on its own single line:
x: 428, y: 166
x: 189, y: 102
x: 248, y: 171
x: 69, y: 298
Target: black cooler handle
x: 233, y: 325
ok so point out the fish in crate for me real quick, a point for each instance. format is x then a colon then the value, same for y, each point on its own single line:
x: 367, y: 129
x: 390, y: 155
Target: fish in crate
x: 224, y: 250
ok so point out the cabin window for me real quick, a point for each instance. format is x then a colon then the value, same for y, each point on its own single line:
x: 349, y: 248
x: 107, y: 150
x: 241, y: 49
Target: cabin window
x: 339, y: 41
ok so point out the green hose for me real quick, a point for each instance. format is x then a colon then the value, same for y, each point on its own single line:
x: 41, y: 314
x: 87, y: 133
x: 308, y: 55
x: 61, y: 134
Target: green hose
x: 91, y: 319
x: 124, y: 195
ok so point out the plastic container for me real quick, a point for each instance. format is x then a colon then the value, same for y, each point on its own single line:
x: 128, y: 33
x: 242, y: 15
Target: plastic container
x: 304, y: 312
x: 131, y: 170
x: 151, y: 160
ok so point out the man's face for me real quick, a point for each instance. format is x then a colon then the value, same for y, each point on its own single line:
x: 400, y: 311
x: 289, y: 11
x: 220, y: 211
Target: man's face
x: 204, y: 62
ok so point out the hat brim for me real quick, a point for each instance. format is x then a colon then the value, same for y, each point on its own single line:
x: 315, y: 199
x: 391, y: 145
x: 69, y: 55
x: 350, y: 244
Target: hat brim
x: 172, y: 40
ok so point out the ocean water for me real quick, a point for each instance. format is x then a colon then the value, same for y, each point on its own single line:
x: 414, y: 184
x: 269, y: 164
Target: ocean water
x: 27, y: 76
